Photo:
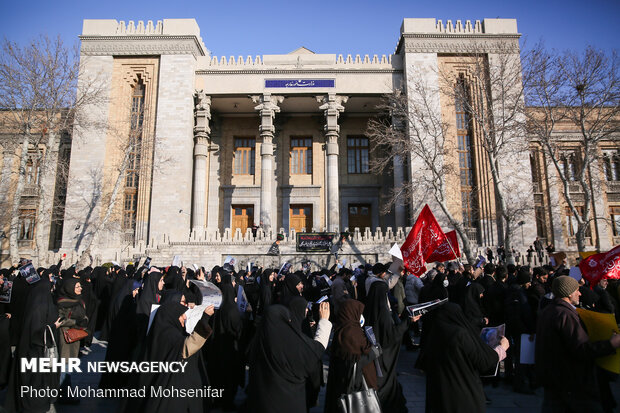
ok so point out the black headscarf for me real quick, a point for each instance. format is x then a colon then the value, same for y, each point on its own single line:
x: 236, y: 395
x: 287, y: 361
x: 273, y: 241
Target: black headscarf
x: 40, y: 312
x: 67, y: 289
x: 281, y: 359
x: 472, y: 303
x: 378, y: 315
x: 148, y: 296
x: 297, y: 307
x: 227, y: 319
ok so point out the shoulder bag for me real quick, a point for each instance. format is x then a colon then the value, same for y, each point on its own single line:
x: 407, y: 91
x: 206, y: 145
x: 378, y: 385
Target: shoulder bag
x: 74, y: 334
x: 363, y: 401
x: 49, y: 352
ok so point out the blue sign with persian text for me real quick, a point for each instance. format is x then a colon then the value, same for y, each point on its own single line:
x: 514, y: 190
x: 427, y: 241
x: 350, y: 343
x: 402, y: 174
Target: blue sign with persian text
x: 300, y: 83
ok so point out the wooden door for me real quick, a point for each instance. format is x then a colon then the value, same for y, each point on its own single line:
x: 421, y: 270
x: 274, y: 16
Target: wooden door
x: 242, y: 218
x: 300, y: 217
x: 359, y: 216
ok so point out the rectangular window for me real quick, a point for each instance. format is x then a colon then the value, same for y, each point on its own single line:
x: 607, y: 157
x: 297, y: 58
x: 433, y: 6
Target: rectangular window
x: 465, y: 151
x: 614, y: 213
x: 129, y: 210
x: 243, y: 158
x: 611, y: 165
x: 26, y: 224
x: 571, y: 222
x: 301, y: 156
x: 357, y: 155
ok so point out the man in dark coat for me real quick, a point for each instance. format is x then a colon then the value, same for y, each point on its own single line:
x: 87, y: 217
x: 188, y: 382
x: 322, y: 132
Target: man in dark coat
x: 564, y: 354
x: 519, y: 320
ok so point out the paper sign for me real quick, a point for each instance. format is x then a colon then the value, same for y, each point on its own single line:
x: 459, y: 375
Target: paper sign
x: 320, y: 300
x: 284, y: 268
x: 211, y: 295
x: 242, y: 302
x: 5, y: 292
x: 176, y: 261
x: 327, y: 280
x: 601, y: 326
x: 527, y: 349
x: 491, y: 335
x: 154, y: 308
x: 29, y: 273
x: 423, y: 308
x: 397, y: 265
x: 396, y: 252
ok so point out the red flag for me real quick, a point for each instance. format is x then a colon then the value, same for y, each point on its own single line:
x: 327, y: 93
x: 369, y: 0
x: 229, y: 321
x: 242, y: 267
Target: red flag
x: 424, y: 238
x: 447, y: 250
x: 599, y: 266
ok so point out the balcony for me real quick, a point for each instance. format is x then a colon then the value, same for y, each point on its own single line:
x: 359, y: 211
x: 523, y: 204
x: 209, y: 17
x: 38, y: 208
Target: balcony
x: 574, y: 188
x: 613, y: 186
x: 472, y: 234
x: 31, y: 191
x: 573, y: 241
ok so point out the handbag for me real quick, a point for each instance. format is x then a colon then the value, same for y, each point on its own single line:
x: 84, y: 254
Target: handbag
x: 74, y: 334
x: 49, y: 352
x: 363, y: 401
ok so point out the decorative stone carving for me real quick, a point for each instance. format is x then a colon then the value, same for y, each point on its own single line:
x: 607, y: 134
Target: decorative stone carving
x: 451, y: 43
x: 140, y: 45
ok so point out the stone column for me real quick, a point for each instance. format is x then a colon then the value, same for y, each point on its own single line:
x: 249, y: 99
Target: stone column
x: 332, y: 105
x: 202, y: 115
x: 267, y: 108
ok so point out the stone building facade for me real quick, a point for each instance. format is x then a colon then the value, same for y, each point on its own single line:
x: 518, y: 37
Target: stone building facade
x: 195, y: 149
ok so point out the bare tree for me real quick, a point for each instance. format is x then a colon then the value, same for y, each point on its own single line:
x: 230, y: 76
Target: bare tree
x: 490, y: 90
x: 39, y: 96
x: 411, y: 126
x: 584, y: 90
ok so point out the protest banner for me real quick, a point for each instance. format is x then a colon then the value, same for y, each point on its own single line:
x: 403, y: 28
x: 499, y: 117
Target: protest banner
x: 601, y: 326
x: 29, y: 273
x: 599, y: 266
x: 5, y: 292
x: 425, y: 236
x: 314, y: 241
x: 448, y: 250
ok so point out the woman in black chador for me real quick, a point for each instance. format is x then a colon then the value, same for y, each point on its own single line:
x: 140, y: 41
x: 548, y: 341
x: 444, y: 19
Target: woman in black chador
x: 40, y: 323
x: 349, y: 346
x: 453, y: 359
x: 389, y: 336
x: 225, y: 361
x: 281, y: 359
x: 167, y: 341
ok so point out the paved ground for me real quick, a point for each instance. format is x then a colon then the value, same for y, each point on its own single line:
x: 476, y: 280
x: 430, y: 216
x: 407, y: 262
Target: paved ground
x: 413, y: 382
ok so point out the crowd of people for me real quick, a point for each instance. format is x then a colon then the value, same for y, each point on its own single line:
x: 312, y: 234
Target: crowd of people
x: 279, y: 325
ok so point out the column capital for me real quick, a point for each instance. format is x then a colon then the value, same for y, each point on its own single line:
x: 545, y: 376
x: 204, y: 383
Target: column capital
x: 202, y: 112
x: 267, y: 108
x: 332, y: 104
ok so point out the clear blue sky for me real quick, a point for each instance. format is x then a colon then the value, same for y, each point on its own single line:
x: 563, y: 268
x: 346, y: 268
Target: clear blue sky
x: 242, y: 27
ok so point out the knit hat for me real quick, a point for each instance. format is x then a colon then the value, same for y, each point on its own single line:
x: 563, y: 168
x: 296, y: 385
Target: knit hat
x: 279, y: 237
x: 563, y: 286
